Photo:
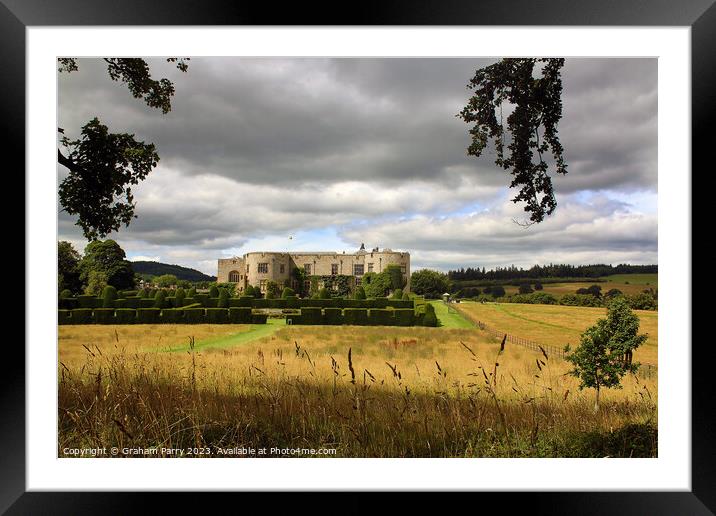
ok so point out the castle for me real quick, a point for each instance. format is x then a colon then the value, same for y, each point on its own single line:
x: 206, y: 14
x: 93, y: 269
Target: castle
x: 258, y: 268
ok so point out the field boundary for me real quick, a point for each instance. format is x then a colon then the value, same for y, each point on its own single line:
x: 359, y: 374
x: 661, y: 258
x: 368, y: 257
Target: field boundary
x: 645, y: 370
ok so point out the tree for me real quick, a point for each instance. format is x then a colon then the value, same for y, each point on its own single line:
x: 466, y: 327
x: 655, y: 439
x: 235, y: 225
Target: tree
x: 395, y: 273
x: 359, y: 292
x: 604, y: 354
x: 535, y: 97
x: 166, y: 280
x: 96, y: 281
x: 376, y: 284
x: 224, y: 296
x: 538, y: 285
x: 525, y: 288
x: 406, y: 296
x: 101, y: 165
x: 160, y: 299
x: 429, y: 283
x: 273, y: 290
x: 108, y: 258
x: 109, y: 294
x: 68, y: 260
x: 179, y: 296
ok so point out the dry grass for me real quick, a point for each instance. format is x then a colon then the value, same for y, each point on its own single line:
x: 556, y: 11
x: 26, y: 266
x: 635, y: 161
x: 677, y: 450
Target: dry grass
x: 403, y: 392
x: 558, y: 325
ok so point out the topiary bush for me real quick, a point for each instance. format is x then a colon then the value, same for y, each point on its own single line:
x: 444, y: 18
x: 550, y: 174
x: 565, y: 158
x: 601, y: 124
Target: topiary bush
x: 332, y: 316
x: 65, y: 294
x: 82, y: 316
x: 64, y: 316
x: 125, y: 315
x: 160, y: 299
x: 397, y: 294
x: 148, y: 315
x: 179, y: 297
x: 430, y: 319
x: 259, y: 318
x: 104, y: 316
x: 217, y: 315
x: 240, y: 315
x: 355, y: 316
x: 223, y: 301
x: 288, y: 292
x: 359, y: 292
x: 88, y: 301
x: 381, y: 317
x: 194, y: 315
x: 214, y: 291
x: 172, y: 316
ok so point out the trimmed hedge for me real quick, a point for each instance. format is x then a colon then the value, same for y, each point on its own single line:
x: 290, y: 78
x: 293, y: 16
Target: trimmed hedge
x: 68, y: 303
x: 172, y: 316
x: 82, y: 316
x: 258, y: 318
x: 333, y: 316
x: 85, y: 301
x: 148, y: 315
x: 217, y: 315
x: 240, y: 315
x: 243, y: 301
x: 355, y: 316
x: 311, y: 315
x: 64, y: 316
x: 104, y: 315
x: 125, y: 315
x: 404, y: 316
x: 194, y: 315
x: 381, y: 317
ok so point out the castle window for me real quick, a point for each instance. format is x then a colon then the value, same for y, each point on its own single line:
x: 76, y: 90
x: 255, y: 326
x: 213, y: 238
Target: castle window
x: 307, y: 268
x: 234, y: 277
x: 262, y: 285
x: 358, y: 269
x: 402, y: 269
x: 370, y: 267
x: 334, y: 269
x: 263, y: 268
x: 282, y: 268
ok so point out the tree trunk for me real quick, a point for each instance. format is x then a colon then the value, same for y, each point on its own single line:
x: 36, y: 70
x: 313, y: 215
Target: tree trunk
x: 596, y: 401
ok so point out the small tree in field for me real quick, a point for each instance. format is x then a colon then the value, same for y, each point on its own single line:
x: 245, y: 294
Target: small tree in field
x: 604, y: 354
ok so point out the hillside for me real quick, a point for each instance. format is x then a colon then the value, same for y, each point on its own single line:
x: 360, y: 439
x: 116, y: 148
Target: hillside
x: 182, y: 273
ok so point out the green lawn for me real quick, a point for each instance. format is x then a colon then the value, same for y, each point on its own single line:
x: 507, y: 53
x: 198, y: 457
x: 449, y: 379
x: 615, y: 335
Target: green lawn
x: 449, y: 317
x: 257, y: 331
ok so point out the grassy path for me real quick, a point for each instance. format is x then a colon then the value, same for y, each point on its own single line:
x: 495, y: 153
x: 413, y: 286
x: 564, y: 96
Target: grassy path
x: 256, y: 332
x: 450, y: 318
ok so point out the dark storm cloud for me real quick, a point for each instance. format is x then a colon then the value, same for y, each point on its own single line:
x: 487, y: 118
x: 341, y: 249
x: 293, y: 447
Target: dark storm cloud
x: 260, y: 145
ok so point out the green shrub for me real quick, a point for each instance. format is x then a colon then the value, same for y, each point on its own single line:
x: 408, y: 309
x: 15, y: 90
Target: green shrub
x: 68, y: 303
x: 191, y: 292
x: 430, y: 319
x: 87, y: 301
x: 217, y: 315
x: 332, y: 316
x: 160, y: 299
x: 355, y: 316
x: 65, y: 294
x: 82, y: 316
x: 397, y: 294
x: 406, y: 296
x: 223, y: 301
x: 359, y: 292
x: 211, y: 302
x: 179, y: 297
x: 243, y: 301
x: 104, y: 316
x: 130, y: 302
x: 64, y: 316
x: 311, y: 315
x: 194, y: 315
x: 201, y: 298
x: 288, y: 292
x: 258, y: 318
x: 172, y: 316
x: 125, y: 315
x: 292, y: 302
x: 213, y: 291
x: 400, y: 303
x: 148, y: 315
x: 147, y: 302
x: 240, y: 315
x: 190, y: 301
x: 381, y: 317
x: 127, y: 293
x: 404, y: 316
x: 324, y: 294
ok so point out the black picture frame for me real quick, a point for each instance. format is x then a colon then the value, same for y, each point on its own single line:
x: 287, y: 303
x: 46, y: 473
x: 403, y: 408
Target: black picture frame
x: 700, y: 15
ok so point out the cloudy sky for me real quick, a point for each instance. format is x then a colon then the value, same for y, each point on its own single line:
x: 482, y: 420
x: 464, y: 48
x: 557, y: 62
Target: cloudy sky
x: 323, y: 154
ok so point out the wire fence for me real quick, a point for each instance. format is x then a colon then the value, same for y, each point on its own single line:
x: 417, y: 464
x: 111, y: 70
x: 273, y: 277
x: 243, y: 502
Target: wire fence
x: 644, y: 371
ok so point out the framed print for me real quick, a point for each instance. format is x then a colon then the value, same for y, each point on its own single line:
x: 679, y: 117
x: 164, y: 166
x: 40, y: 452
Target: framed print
x: 414, y: 251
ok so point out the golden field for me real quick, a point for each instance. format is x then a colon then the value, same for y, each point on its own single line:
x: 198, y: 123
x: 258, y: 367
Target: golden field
x: 365, y: 391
